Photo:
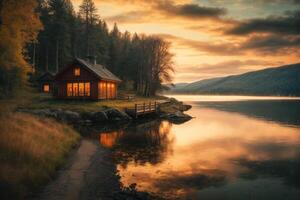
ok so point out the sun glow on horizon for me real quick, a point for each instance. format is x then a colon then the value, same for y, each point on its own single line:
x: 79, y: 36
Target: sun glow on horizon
x: 211, y: 39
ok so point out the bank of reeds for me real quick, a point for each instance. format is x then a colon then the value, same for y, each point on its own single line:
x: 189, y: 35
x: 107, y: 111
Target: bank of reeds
x: 31, y: 149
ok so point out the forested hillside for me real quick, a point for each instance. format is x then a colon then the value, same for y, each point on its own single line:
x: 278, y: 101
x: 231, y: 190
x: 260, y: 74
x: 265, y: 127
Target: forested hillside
x: 283, y: 80
x: 142, y: 62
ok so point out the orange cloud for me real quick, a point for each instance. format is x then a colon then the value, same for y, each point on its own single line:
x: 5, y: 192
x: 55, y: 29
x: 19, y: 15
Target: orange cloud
x: 206, y: 39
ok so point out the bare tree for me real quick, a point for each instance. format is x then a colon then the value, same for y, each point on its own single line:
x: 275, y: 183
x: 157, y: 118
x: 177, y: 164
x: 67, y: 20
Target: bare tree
x: 155, y: 65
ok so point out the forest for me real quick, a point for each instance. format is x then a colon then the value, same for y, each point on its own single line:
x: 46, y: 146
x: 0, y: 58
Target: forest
x: 40, y: 36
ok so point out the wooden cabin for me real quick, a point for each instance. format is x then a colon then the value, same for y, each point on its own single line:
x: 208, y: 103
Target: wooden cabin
x: 45, y: 82
x: 85, y: 80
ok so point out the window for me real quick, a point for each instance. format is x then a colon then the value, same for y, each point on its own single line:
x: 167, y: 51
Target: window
x: 69, y: 89
x: 75, y: 89
x: 102, y: 89
x: 77, y: 71
x: 79, y: 89
x: 106, y: 90
x: 113, y: 90
x: 87, y: 89
x: 46, y: 88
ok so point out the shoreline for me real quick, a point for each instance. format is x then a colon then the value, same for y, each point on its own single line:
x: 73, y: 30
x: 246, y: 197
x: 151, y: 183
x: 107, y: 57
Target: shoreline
x: 90, y: 173
x: 224, y: 98
x: 172, y: 110
x: 235, y: 95
x: 90, y: 166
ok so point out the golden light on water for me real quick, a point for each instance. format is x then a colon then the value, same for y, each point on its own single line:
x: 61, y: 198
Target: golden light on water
x: 215, y: 148
x: 210, y: 145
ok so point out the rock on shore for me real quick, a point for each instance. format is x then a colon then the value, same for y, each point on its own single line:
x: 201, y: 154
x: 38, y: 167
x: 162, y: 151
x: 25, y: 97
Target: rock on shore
x: 72, y: 117
x: 172, y: 110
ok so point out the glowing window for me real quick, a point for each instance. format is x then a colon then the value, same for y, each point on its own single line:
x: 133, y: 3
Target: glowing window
x: 102, y: 89
x: 109, y: 90
x: 81, y: 89
x: 77, y: 71
x: 113, y: 89
x: 46, y: 88
x: 87, y: 89
x: 75, y: 89
x: 69, y: 90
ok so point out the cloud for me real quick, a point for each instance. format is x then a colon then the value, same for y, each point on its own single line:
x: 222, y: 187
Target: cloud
x: 280, y: 1
x: 166, y: 9
x: 131, y: 17
x: 209, y: 47
x: 190, y: 10
x: 289, y: 24
x: 269, y: 44
x: 273, y: 44
x: 230, y: 67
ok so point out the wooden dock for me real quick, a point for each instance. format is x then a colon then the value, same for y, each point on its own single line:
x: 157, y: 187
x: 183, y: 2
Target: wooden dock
x: 142, y: 109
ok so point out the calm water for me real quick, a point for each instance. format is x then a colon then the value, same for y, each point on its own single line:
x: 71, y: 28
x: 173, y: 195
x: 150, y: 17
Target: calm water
x: 234, y: 148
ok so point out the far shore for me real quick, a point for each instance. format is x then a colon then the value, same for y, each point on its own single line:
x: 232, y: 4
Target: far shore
x: 222, y: 97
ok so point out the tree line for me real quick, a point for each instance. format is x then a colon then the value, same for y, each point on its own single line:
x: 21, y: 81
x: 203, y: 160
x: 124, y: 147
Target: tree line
x: 143, y: 62
x: 19, y: 25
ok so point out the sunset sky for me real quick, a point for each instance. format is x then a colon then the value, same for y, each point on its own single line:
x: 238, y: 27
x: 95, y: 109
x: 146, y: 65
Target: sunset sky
x: 212, y: 38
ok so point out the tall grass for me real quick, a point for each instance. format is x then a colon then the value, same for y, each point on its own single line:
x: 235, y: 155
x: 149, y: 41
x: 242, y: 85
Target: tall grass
x: 31, y: 149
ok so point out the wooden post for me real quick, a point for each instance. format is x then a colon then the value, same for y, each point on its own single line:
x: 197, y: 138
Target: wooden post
x: 155, y: 106
x: 144, y: 107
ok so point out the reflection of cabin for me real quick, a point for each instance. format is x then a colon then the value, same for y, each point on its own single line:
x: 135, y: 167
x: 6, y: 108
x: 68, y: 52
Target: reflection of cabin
x: 46, y: 82
x: 108, y: 140
x: 84, y: 80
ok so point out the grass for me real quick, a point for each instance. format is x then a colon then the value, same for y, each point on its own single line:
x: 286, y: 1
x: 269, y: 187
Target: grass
x: 31, y: 149
x: 34, y: 100
x: 24, y: 97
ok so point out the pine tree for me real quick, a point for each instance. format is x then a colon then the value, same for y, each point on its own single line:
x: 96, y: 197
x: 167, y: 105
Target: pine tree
x: 142, y: 62
x: 56, y: 43
x: 88, y: 12
x: 114, y: 49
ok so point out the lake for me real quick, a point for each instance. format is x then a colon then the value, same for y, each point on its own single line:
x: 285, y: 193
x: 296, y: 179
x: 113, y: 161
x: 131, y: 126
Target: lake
x: 234, y: 148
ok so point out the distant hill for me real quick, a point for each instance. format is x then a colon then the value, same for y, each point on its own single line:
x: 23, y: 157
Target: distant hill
x: 176, y: 86
x: 281, y: 81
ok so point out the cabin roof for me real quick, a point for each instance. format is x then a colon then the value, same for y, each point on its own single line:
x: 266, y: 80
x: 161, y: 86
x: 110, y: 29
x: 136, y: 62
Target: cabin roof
x: 99, y: 70
x: 47, y: 76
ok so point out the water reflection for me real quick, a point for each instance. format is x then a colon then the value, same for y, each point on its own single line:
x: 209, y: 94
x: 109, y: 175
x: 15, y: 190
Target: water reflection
x: 221, y: 154
x: 288, y: 170
x: 149, y: 142
x: 109, y: 140
x: 282, y: 111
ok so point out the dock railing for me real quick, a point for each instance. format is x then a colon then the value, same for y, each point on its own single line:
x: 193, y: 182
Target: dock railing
x: 143, y: 108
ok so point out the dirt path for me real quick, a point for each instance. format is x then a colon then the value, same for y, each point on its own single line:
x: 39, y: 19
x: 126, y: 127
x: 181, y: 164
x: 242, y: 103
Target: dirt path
x: 90, y: 174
